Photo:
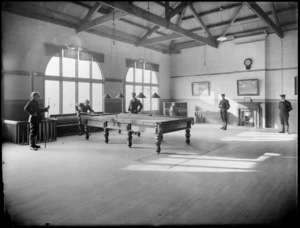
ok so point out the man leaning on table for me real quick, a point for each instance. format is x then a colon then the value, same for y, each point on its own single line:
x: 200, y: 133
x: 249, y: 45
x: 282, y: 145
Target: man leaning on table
x: 82, y: 108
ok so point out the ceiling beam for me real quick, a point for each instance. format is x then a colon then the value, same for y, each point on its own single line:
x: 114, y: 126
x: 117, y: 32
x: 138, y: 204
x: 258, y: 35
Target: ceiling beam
x: 175, y: 11
x: 264, y: 17
x: 215, y: 10
x: 44, y: 14
x: 248, y: 19
x: 101, y: 20
x: 250, y: 32
x: 92, y: 11
x: 178, y: 22
x: 106, y: 11
x: 167, y: 13
x: 275, y: 14
x: 161, y: 39
x: 138, y: 12
x: 200, y: 21
x: 233, y: 19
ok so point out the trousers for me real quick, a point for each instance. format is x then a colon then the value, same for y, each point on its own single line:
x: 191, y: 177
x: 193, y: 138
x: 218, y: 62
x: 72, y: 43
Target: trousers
x: 34, y: 128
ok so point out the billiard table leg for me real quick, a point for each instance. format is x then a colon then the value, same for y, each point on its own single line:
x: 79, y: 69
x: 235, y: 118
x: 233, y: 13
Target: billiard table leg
x: 158, y: 138
x: 106, y: 133
x: 187, y: 135
x: 129, y: 138
x: 87, y: 135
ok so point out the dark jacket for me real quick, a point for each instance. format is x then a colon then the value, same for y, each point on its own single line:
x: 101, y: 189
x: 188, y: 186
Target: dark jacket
x: 82, y: 108
x: 135, y: 106
x: 224, y: 105
x: 285, y: 106
x: 32, y: 107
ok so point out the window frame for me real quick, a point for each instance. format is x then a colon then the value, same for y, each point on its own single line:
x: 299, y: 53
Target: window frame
x: 60, y: 78
x: 142, y: 84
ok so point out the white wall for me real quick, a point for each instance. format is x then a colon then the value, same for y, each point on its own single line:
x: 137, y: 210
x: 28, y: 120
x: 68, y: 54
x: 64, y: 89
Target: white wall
x: 223, y: 66
x: 23, y: 49
x: 281, y: 81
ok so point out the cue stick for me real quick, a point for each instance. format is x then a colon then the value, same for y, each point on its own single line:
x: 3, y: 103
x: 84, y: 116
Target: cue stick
x: 46, y: 135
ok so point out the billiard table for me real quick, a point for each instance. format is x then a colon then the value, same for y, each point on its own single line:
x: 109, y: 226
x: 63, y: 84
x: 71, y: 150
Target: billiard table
x: 136, y: 123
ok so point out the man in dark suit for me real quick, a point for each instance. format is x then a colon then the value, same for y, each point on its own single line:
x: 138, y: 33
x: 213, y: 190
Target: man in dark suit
x: 224, y: 106
x: 33, y: 109
x: 284, y: 108
x: 135, y: 105
x: 80, y: 109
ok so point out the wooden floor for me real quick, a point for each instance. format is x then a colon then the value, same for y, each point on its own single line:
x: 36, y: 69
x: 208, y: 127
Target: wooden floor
x: 239, y: 176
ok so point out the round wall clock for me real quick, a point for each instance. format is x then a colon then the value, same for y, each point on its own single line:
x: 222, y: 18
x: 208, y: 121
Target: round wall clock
x: 248, y: 63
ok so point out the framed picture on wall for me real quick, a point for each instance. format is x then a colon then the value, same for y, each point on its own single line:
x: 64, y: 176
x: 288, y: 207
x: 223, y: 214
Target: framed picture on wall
x: 247, y: 87
x: 200, y: 88
x: 296, y: 85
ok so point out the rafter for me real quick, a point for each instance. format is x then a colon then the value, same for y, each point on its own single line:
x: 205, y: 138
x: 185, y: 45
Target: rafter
x: 92, y: 11
x: 178, y: 22
x: 264, y: 17
x: 175, y: 11
x: 275, y: 14
x: 161, y: 39
x: 198, y: 18
x: 233, y: 19
x: 101, y: 20
x: 167, y: 13
x: 138, y: 12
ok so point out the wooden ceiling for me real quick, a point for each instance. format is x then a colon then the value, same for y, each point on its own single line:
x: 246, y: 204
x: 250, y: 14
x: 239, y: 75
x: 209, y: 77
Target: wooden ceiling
x: 167, y: 27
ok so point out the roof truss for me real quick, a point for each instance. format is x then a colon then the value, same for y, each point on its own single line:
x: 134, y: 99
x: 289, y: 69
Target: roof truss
x: 138, y: 12
x: 264, y: 17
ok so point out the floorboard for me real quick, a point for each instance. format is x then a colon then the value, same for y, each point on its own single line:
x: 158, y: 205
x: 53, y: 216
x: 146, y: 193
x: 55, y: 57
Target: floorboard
x: 239, y: 176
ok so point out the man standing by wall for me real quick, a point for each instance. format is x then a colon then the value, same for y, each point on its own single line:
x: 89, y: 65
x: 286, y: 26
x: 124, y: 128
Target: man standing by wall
x: 284, y: 108
x: 33, y: 109
x: 224, y: 106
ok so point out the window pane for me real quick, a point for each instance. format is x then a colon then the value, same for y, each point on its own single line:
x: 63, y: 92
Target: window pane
x: 83, y: 91
x: 138, y: 75
x: 68, y: 67
x: 128, y: 96
x: 129, y: 76
x: 52, y: 96
x: 97, y: 97
x: 147, y: 100
x: 68, y: 97
x: 154, y: 78
x: 154, y: 101
x: 96, y: 72
x: 83, y: 69
x: 137, y: 90
x: 53, y: 67
x: 147, y: 76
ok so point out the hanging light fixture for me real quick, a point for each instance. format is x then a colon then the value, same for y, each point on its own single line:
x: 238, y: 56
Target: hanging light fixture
x: 221, y: 38
x: 120, y: 95
x: 155, y: 95
x: 141, y: 95
x: 106, y: 96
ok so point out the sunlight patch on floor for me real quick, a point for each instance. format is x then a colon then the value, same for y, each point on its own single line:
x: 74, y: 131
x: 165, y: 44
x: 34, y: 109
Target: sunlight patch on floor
x: 192, y: 163
x: 148, y: 167
x: 260, y: 137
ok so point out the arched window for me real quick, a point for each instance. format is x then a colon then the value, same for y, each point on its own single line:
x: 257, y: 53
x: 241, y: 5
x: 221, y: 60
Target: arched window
x: 71, y: 77
x: 139, y: 79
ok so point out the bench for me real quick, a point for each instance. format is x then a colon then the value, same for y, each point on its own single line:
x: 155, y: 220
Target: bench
x: 67, y: 124
x: 18, y: 131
